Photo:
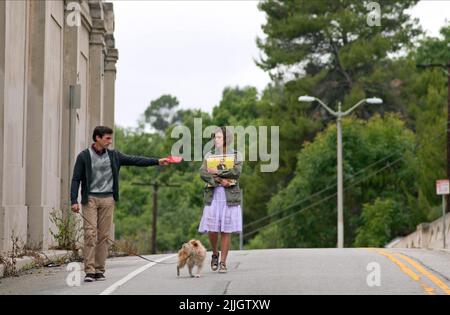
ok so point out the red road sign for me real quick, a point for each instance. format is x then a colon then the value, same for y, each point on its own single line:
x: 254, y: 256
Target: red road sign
x: 443, y: 187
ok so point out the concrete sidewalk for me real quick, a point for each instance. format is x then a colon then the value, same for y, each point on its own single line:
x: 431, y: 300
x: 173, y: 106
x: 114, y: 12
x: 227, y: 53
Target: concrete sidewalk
x: 42, y: 258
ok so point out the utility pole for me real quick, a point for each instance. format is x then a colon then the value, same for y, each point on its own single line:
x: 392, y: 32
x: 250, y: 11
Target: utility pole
x: 155, y: 185
x: 446, y: 70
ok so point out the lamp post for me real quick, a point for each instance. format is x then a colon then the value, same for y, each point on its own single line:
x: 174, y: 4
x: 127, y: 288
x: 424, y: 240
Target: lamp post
x: 339, y: 115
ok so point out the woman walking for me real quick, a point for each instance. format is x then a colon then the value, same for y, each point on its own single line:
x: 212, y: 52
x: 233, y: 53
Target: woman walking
x: 222, y: 213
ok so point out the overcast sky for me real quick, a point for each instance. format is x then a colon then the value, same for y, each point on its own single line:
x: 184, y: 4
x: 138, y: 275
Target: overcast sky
x: 193, y: 49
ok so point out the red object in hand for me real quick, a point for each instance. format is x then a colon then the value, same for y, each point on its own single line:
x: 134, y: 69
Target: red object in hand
x: 174, y: 159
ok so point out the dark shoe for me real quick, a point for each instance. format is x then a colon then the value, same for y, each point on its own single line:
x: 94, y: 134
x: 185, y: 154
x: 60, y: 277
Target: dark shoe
x: 223, y: 268
x: 100, y: 277
x: 90, y: 277
x: 214, y: 262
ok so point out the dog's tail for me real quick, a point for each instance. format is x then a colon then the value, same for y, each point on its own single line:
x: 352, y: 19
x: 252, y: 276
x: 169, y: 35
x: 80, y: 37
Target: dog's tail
x: 194, y: 243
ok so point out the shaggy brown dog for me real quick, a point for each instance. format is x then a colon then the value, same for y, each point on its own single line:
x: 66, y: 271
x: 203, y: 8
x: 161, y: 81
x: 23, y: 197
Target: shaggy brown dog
x: 192, y: 253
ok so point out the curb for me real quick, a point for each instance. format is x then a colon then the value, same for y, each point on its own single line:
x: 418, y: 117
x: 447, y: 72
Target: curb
x: 27, y: 262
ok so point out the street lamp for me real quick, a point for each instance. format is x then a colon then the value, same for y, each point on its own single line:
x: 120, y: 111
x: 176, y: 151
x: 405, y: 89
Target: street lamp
x: 339, y: 114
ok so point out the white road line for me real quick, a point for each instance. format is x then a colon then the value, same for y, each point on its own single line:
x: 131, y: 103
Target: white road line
x: 130, y: 276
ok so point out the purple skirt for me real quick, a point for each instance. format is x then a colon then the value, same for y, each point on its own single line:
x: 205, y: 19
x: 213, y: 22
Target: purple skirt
x: 219, y: 217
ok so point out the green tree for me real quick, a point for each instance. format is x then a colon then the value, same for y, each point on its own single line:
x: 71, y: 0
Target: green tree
x: 435, y: 49
x: 424, y: 92
x: 328, y: 49
x: 382, y: 220
x: 237, y: 107
x: 161, y: 113
x: 304, y: 213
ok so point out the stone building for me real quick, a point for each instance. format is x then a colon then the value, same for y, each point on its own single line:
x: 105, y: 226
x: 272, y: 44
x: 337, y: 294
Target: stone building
x: 57, y: 76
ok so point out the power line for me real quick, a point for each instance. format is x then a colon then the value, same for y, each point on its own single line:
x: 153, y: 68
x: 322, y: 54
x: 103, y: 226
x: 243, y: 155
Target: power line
x: 350, y: 178
x: 417, y: 146
x: 322, y: 200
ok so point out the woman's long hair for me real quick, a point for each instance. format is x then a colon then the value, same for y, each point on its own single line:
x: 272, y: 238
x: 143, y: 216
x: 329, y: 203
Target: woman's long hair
x: 227, y: 137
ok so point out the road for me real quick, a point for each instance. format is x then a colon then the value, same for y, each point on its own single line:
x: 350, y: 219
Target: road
x: 260, y: 272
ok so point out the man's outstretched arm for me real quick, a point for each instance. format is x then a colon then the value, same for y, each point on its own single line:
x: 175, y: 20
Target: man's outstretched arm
x: 130, y: 160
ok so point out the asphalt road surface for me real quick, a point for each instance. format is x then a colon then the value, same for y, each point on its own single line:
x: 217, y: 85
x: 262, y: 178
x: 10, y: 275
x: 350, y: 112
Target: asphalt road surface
x: 257, y: 272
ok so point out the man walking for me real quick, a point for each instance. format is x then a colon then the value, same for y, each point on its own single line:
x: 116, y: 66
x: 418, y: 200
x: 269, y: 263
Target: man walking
x: 97, y: 170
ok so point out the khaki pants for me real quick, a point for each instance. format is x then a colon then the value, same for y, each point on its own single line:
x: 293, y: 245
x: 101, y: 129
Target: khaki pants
x: 99, y: 212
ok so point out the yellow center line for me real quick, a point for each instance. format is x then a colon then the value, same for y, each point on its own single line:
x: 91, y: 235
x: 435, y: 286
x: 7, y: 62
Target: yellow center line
x: 406, y: 270
x: 427, y: 289
x: 426, y: 273
x: 402, y: 266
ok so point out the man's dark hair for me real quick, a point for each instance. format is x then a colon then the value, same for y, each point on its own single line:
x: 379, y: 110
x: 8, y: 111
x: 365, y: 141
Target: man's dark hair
x: 101, y: 131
